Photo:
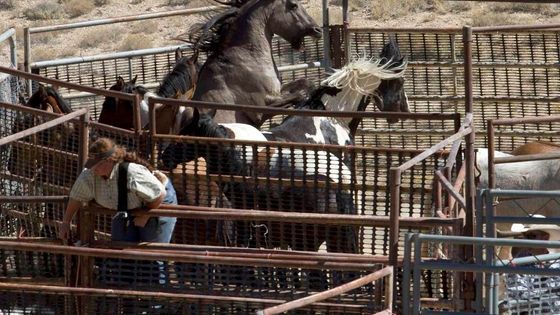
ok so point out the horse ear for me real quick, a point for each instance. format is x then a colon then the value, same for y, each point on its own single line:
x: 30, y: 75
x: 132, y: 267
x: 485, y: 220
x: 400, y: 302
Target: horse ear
x: 133, y: 81
x: 178, y: 54
x: 120, y: 83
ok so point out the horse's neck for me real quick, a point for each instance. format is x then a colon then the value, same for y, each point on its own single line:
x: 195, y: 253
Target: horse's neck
x: 250, y: 37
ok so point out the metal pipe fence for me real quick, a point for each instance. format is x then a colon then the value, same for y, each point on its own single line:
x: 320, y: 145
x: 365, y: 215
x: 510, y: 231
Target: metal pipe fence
x: 486, y: 269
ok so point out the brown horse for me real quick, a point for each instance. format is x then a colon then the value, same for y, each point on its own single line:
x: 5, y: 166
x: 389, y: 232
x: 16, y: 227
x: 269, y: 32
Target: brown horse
x: 178, y: 84
x: 240, y: 68
x: 536, y: 147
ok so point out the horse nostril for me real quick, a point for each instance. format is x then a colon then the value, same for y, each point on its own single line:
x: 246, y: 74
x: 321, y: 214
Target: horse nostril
x: 318, y: 31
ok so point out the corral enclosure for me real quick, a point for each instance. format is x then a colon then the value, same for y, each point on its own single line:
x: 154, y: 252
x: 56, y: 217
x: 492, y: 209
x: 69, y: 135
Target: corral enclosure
x: 515, y: 74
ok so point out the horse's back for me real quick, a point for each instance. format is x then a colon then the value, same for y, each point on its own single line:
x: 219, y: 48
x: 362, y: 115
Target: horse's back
x: 536, y: 147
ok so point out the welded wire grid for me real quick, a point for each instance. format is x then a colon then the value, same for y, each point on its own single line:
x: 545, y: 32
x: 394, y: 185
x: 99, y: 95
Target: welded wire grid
x: 533, y: 294
x: 152, y: 68
x: 293, y: 178
x: 214, y: 289
x: 514, y: 74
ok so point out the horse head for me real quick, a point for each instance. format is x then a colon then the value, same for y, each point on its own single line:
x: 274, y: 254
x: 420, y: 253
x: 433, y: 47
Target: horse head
x: 47, y: 98
x: 200, y: 125
x: 391, y: 92
x: 119, y: 112
x: 290, y: 20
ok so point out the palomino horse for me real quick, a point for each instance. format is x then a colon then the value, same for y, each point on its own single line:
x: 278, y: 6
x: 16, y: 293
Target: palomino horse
x: 240, y: 68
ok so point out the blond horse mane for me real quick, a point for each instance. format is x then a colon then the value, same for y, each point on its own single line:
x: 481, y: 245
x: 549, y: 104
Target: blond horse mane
x: 361, y: 77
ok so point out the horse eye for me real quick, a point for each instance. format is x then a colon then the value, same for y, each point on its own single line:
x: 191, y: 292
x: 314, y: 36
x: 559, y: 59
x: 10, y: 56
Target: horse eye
x: 292, y: 5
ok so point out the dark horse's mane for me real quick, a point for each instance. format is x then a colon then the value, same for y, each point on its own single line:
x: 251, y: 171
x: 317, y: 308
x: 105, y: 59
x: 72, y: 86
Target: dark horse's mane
x: 208, y: 36
x: 180, y: 79
x: 221, y: 157
x: 38, y: 97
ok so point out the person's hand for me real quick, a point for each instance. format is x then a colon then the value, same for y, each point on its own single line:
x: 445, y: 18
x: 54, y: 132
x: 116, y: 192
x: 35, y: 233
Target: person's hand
x: 64, y: 232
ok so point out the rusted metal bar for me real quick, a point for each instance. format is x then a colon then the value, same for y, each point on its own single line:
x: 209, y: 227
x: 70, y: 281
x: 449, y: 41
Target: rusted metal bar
x: 33, y: 199
x: 468, y: 230
x: 130, y: 18
x: 59, y: 83
x: 516, y: 28
x: 112, y: 129
x: 526, y: 120
x: 137, y: 121
x: 450, y: 189
x: 41, y: 127
x: 234, y: 250
x: 394, y: 216
x: 152, y: 143
x: 26, y: 109
x: 27, y: 239
x: 293, y: 182
x: 309, y: 146
x: 208, y: 213
x: 299, y: 112
x: 53, y: 289
x: 491, y: 154
x: 327, y: 294
x: 459, y: 181
x: 83, y: 147
x: 434, y: 149
x: 90, y: 253
x: 287, y: 258
x: 528, y: 157
x: 41, y: 149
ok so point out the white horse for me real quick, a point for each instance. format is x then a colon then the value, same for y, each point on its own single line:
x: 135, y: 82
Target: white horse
x: 529, y: 175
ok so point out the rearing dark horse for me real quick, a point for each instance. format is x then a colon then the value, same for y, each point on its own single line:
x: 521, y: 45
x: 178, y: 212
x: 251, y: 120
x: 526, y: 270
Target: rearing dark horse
x: 240, y: 68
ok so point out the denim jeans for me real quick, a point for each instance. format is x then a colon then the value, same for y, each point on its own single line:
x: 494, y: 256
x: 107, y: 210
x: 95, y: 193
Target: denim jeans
x: 157, y: 229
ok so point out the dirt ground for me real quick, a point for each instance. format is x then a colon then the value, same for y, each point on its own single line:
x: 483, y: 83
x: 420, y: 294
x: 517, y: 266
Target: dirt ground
x: 163, y: 31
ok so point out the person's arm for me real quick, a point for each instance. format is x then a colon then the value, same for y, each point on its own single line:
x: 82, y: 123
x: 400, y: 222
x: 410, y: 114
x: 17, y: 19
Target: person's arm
x: 157, y: 202
x: 71, y: 208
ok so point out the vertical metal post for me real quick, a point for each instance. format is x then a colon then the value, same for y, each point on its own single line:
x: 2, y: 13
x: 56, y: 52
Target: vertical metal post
x: 345, y: 32
x: 395, y: 183
x: 491, y: 154
x: 469, y: 160
x: 416, y: 277
x: 389, y: 288
x: 84, y: 142
x: 27, y: 57
x: 405, y: 286
x: 137, y: 120
x: 326, y: 36
x: 491, y: 233
x: 479, y: 279
x: 13, y: 50
x: 151, y: 143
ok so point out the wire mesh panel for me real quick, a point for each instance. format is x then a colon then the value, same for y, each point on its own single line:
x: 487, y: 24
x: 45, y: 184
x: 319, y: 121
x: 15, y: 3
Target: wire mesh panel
x: 514, y: 74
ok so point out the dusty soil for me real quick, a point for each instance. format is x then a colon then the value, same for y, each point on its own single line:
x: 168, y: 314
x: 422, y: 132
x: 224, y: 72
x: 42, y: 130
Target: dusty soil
x: 160, y: 32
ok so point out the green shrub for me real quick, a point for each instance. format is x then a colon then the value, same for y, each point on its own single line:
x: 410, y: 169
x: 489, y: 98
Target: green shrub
x: 75, y: 8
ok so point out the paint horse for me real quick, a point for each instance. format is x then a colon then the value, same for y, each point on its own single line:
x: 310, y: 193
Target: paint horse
x: 349, y: 89
x: 294, y: 164
x: 240, y: 68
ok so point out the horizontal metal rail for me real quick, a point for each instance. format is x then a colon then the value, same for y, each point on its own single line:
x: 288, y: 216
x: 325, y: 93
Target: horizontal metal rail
x: 43, y: 126
x: 84, y: 291
x: 131, y: 18
x: 309, y: 300
x: 10, y: 35
x: 187, y: 258
x: 207, y: 213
